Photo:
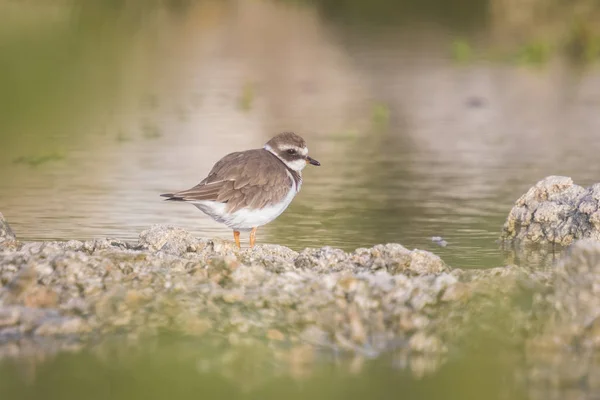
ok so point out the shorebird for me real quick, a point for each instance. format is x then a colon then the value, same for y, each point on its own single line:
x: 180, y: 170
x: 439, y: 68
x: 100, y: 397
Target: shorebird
x: 248, y: 189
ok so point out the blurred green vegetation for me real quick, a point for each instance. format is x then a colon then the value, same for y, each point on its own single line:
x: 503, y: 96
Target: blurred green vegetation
x: 61, y: 61
x: 34, y: 161
x: 537, y: 52
x: 545, y: 29
x: 460, y: 15
x: 582, y: 43
x: 461, y: 50
x: 247, y: 97
x: 534, y: 53
x: 380, y: 116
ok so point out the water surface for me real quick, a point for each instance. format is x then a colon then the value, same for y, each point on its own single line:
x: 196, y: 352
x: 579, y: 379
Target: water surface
x: 109, y: 107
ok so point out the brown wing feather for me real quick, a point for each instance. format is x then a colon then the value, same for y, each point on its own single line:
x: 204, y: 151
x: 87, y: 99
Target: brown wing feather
x: 252, y: 179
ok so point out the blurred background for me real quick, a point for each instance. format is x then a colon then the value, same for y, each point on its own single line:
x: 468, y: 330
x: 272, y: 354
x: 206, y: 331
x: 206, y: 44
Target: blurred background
x: 429, y: 117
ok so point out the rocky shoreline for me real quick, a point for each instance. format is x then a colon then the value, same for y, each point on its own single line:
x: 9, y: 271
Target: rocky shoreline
x: 171, y: 280
x: 66, y: 295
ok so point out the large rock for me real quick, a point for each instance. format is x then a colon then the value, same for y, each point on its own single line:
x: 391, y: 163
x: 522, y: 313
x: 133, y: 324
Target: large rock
x: 555, y: 211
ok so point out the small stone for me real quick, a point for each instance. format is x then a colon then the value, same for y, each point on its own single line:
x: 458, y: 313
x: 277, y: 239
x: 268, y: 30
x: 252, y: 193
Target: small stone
x: 423, y: 343
x: 62, y: 326
x: 325, y: 259
x: 9, y: 316
x: 268, y: 255
x: 423, y: 298
x: 74, y: 245
x: 221, y: 267
x: 232, y: 297
x: 410, y: 322
x: 457, y: 292
x: 348, y: 283
x: 274, y: 334
x: 167, y: 239
x: 7, y: 236
x: 30, y: 318
x: 40, y: 297
x: 134, y: 298
x: 424, y: 262
x: 396, y: 259
x: 248, y: 276
x: 314, y: 335
x: 439, y: 241
x: 358, y: 333
x: 76, y: 305
x: 24, y: 279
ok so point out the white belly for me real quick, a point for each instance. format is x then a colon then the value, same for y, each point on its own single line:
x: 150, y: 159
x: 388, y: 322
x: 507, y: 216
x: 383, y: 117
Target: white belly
x: 246, y: 219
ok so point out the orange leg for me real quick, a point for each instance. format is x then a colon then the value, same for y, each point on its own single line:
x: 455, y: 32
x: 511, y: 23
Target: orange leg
x: 236, y: 236
x: 253, y: 237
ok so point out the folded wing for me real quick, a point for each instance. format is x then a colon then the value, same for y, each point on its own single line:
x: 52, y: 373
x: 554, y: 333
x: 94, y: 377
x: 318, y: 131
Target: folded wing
x: 252, y: 179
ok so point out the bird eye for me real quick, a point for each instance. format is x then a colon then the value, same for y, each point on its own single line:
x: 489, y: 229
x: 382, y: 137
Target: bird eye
x: 291, y: 151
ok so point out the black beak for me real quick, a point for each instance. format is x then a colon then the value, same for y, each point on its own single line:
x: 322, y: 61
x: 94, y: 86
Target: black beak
x: 312, y: 161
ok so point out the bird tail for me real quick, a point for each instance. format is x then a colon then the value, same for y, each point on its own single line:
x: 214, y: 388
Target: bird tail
x: 171, y: 197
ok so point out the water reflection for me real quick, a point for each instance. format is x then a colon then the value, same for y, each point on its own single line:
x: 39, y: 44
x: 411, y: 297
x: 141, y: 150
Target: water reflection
x: 186, y: 369
x: 109, y: 104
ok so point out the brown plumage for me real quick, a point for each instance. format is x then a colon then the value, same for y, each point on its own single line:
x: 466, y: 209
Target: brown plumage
x: 248, y: 189
x: 253, y: 179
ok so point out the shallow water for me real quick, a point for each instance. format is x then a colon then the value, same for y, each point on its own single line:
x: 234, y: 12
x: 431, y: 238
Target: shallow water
x: 136, y: 101
x: 105, y: 105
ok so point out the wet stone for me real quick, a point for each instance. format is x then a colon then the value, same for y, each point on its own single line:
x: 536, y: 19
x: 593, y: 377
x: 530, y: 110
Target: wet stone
x: 325, y: 259
x: 555, y: 210
x: 9, y: 316
x: 167, y: 239
x: 7, y: 237
x: 395, y: 259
